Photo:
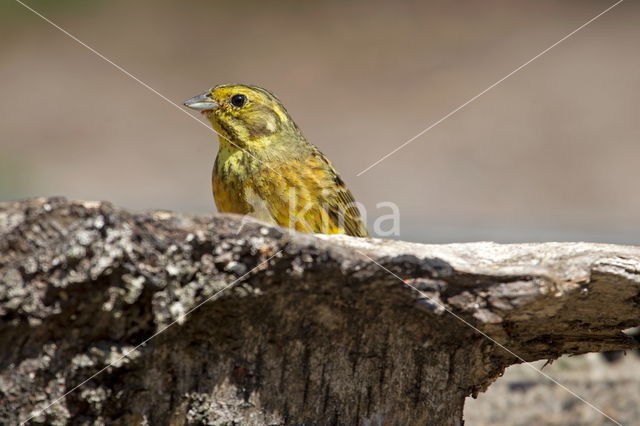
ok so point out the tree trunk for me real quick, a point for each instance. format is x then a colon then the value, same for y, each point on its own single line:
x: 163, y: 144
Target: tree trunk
x: 322, y: 331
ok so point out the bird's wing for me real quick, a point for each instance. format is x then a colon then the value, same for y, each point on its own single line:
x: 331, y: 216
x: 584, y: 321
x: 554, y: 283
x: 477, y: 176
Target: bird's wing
x: 338, y: 200
x: 308, y: 195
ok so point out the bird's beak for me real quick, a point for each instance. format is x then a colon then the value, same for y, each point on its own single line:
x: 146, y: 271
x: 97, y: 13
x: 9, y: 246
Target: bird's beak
x: 202, y: 102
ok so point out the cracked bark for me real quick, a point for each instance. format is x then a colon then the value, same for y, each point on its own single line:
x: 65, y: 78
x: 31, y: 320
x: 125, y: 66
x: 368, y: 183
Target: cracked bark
x: 317, y: 335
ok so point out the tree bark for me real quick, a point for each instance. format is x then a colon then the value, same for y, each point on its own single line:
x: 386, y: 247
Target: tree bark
x: 325, y: 329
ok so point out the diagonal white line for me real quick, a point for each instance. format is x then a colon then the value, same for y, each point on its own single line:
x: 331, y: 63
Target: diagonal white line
x: 180, y: 318
x: 128, y: 74
x: 488, y: 89
x: 458, y: 317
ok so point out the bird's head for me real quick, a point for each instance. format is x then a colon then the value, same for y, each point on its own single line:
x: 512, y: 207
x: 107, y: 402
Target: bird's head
x: 243, y: 114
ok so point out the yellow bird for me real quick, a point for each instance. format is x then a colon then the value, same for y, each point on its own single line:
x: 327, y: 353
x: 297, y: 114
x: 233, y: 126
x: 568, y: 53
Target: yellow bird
x: 266, y: 168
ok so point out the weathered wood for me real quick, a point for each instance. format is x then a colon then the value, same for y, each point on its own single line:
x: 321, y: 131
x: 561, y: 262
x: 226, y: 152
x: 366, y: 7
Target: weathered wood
x: 319, y: 334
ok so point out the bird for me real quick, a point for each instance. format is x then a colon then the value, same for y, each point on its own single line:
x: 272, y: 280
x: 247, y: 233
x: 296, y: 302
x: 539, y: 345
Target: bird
x: 266, y: 168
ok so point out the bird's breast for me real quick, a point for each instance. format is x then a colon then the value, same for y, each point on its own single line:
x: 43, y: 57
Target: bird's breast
x: 232, y: 175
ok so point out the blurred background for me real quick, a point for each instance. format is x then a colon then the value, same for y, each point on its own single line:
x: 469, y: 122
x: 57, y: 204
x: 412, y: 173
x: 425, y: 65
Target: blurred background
x: 551, y: 154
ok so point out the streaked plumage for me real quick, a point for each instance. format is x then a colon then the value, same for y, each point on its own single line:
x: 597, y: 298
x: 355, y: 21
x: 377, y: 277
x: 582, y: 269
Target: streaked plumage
x: 267, y: 169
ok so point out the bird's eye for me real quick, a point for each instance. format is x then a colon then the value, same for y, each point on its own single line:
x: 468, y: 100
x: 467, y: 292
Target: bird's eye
x: 238, y: 100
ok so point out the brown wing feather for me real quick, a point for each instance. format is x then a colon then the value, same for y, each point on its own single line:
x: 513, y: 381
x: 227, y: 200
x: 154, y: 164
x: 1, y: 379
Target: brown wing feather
x: 343, y: 210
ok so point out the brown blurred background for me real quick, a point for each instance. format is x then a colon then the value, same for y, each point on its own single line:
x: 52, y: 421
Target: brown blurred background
x: 550, y: 154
